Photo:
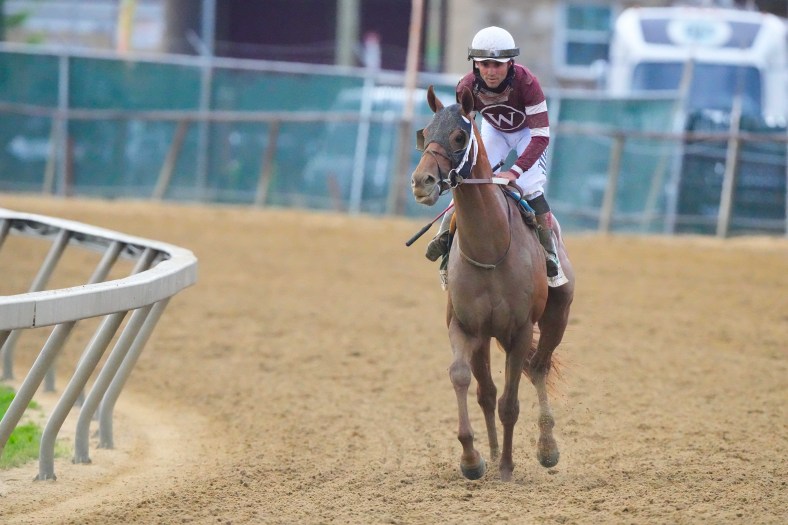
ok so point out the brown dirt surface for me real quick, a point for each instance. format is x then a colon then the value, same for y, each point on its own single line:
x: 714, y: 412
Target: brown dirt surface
x: 304, y: 380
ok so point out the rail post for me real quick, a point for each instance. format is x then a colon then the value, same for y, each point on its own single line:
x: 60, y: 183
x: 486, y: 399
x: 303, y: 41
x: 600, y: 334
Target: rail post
x: 151, y: 317
x: 267, y: 165
x: 729, y: 177
x: 613, y: 172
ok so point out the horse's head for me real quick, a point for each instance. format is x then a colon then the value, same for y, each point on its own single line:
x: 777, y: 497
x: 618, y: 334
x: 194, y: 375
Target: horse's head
x: 445, y: 142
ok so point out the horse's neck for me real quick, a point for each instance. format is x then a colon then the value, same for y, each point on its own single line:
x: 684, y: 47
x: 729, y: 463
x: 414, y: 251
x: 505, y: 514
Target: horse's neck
x: 481, y: 209
x: 482, y: 199
x: 482, y: 215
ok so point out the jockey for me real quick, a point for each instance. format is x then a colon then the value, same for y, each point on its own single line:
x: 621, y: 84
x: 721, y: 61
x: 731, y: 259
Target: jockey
x: 514, y: 112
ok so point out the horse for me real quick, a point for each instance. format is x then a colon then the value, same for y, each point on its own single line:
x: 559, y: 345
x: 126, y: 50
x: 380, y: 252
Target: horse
x: 497, y: 285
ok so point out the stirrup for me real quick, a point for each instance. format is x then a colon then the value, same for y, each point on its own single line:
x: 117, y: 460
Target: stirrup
x: 559, y: 279
x: 443, y: 272
x: 443, y: 275
x: 552, y: 263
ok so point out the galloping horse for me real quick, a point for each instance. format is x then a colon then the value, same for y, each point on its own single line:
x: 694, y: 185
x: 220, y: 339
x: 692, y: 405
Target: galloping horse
x: 497, y: 285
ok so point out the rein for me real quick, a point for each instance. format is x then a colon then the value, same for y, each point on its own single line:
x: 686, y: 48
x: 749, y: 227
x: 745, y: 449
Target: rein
x: 459, y: 174
x: 485, y: 266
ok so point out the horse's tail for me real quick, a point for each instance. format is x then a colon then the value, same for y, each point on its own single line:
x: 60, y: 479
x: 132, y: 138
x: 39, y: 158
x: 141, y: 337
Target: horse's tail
x: 555, y: 371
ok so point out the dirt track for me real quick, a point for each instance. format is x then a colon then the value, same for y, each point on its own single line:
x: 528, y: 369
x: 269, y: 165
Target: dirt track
x: 304, y: 380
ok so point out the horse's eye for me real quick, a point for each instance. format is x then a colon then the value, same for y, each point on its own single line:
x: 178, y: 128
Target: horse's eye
x: 460, y: 140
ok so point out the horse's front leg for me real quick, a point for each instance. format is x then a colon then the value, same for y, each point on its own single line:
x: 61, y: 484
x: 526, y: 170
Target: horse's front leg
x: 509, y: 404
x: 486, y: 394
x: 472, y: 464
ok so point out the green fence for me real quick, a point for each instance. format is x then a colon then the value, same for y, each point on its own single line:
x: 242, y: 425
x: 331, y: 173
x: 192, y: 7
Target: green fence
x: 759, y: 191
x: 258, y: 133
x: 592, y: 133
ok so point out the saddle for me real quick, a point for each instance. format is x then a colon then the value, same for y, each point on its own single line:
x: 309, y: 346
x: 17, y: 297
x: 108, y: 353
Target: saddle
x: 526, y: 212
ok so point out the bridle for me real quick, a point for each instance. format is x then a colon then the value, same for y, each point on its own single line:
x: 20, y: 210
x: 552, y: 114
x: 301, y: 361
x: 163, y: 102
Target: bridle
x: 492, y: 266
x: 461, y: 167
x: 460, y: 160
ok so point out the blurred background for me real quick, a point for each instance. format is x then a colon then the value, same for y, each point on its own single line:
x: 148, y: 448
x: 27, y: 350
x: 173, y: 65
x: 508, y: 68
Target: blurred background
x: 666, y: 117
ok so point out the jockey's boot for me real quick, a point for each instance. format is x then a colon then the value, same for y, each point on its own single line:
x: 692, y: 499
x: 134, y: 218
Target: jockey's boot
x: 555, y: 275
x: 439, y: 245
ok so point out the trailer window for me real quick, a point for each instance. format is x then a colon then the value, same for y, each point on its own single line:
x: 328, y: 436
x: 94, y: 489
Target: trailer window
x: 713, y: 85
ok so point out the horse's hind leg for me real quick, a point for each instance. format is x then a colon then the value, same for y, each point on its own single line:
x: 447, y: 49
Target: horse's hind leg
x: 547, y: 448
x: 551, y: 327
x: 472, y: 464
x: 486, y: 394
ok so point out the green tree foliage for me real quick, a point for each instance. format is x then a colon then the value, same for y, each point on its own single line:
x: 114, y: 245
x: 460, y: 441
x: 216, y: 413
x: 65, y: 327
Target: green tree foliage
x: 10, y: 21
x: 24, y: 442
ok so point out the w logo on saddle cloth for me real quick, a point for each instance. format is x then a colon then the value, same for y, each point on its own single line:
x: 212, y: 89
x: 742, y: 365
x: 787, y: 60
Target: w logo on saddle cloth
x: 503, y: 117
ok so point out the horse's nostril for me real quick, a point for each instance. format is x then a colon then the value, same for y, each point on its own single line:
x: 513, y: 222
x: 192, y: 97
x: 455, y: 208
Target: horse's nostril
x: 423, y: 179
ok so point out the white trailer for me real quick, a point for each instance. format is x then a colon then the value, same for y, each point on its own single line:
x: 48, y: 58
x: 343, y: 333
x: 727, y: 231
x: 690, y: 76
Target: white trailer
x: 719, y: 52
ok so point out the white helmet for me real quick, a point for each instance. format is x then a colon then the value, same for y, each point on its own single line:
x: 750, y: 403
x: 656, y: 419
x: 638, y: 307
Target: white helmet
x: 493, y: 43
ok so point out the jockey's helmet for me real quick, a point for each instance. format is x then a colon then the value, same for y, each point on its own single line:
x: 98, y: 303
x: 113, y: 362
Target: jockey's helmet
x: 493, y: 43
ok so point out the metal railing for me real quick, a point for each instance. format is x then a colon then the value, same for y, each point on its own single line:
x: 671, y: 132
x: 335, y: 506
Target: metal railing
x: 160, y: 271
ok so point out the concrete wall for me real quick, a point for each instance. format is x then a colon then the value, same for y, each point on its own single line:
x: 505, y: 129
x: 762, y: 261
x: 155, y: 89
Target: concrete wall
x: 530, y: 23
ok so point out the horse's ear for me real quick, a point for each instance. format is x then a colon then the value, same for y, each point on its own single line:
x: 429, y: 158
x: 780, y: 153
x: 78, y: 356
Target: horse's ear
x: 432, y: 100
x: 466, y: 101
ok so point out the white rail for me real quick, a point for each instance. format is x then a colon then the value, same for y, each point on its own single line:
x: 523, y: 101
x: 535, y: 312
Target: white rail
x: 161, y: 271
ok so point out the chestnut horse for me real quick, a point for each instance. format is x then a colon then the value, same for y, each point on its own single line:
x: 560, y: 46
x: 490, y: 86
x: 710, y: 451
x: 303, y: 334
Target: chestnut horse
x: 497, y: 285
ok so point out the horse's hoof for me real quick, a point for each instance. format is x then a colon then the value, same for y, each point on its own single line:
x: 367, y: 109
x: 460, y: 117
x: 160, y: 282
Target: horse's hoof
x: 476, y: 472
x: 548, y: 458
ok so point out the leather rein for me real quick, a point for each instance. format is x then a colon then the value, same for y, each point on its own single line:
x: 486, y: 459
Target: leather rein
x: 457, y: 176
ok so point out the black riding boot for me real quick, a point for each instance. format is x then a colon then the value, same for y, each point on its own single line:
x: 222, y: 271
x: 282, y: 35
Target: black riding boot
x: 548, y: 243
x: 439, y: 245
